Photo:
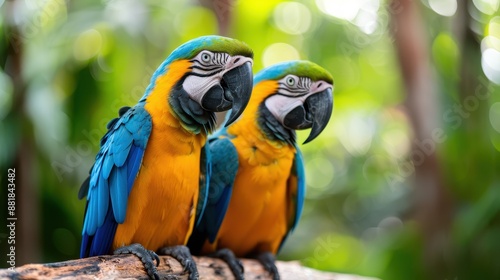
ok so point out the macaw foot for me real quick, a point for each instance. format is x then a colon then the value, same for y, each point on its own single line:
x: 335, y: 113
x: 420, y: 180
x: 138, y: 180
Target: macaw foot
x: 267, y: 260
x: 234, y: 263
x: 146, y: 256
x: 181, y: 254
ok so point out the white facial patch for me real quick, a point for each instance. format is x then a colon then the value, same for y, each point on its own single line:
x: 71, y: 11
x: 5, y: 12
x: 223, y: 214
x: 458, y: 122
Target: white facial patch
x: 196, y: 86
x: 320, y: 86
x: 209, y: 68
x: 282, y: 103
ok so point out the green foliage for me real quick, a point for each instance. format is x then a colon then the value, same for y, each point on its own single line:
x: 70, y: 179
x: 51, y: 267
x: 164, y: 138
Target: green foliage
x: 82, y: 61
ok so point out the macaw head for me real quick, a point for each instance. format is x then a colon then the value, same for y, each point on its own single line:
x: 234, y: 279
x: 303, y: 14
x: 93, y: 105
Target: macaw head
x: 296, y: 95
x: 212, y: 74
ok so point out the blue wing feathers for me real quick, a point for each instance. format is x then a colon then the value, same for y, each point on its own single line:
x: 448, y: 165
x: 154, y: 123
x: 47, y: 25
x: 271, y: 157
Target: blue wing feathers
x: 301, y: 188
x: 103, y: 238
x: 97, y: 166
x: 221, y: 209
x: 224, y: 168
x: 298, y: 171
x: 121, y: 146
x: 84, y: 248
x: 224, y: 165
x: 107, y: 165
x: 120, y: 156
x: 205, y: 175
x: 89, y: 227
x: 133, y: 163
x: 118, y: 192
x: 102, y: 200
x: 112, y: 178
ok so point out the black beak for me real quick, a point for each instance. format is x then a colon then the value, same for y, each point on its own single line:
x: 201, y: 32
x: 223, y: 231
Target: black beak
x: 314, y: 114
x: 233, y: 92
x: 320, y: 106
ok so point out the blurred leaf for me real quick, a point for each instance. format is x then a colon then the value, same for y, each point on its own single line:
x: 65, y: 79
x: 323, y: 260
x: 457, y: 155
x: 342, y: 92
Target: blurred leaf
x: 446, y: 54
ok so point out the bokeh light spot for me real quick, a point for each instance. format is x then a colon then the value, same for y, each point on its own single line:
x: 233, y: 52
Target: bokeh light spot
x: 362, y: 13
x: 356, y: 134
x: 367, y: 17
x: 87, y: 45
x: 490, y: 42
x: 370, y: 234
x: 488, y: 7
x: 390, y: 223
x: 446, y: 54
x: 445, y: 8
x: 340, y: 9
x: 493, y: 28
x: 292, y: 17
x: 396, y: 143
x: 490, y: 62
x: 495, y: 116
x: 320, y: 173
x: 495, y: 140
x: 279, y: 52
x: 129, y: 14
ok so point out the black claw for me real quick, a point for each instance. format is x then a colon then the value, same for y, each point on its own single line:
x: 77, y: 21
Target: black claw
x: 234, y: 263
x: 156, y: 257
x: 183, y: 255
x: 146, y: 257
x: 267, y: 260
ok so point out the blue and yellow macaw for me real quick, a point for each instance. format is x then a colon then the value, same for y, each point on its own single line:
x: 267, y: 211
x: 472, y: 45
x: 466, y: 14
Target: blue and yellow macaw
x: 143, y: 192
x: 257, y: 185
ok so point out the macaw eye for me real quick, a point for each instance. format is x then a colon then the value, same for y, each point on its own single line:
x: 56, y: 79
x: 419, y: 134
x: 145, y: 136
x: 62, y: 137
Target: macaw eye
x: 290, y: 81
x: 205, y: 57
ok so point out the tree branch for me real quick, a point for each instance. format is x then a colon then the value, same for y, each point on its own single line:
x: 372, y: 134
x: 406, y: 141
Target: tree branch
x: 128, y: 266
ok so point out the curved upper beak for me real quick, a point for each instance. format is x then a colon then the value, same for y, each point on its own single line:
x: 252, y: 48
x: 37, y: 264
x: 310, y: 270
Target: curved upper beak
x: 238, y: 82
x: 313, y: 113
x: 319, y: 106
x: 234, y: 89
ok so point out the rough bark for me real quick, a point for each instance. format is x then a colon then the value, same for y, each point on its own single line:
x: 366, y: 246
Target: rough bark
x: 128, y: 266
